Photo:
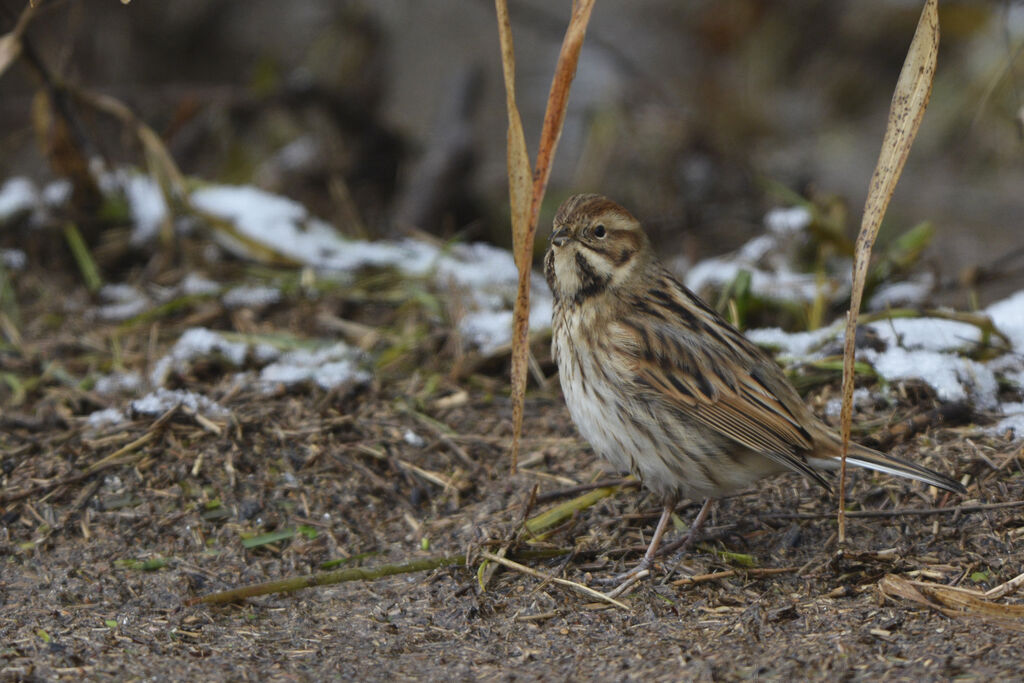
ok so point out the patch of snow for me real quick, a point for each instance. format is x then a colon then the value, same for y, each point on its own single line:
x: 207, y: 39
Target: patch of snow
x: 119, y: 383
x: 910, y: 292
x: 488, y: 274
x: 123, y: 310
x: 119, y: 292
x: 491, y: 330
x: 477, y: 265
x: 1013, y: 422
x: 414, y: 258
x: 13, y: 259
x: 17, y: 195
x: 280, y: 223
x: 953, y: 378
x: 197, y: 342
x: 147, y: 206
x: 162, y: 400
x: 1008, y: 316
x: 931, y: 334
x: 105, y: 417
x: 287, y: 228
x: 782, y: 284
x: 298, y: 153
x: 123, y: 301
x: 194, y: 283
x: 57, y: 193
x: 252, y: 297
x: 789, y: 220
x: 1011, y: 368
x: 757, y: 248
x: 328, y: 367
x: 542, y: 307
x: 925, y: 349
x: 265, y: 353
x: 795, y: 345
x: 487, y: 330
x: 861, y: 397
x: 413, y: 439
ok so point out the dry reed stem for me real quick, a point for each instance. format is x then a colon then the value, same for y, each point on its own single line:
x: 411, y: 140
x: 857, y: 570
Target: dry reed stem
x: 909, y: 101
x: 10, y: 42
x: 526, y: 200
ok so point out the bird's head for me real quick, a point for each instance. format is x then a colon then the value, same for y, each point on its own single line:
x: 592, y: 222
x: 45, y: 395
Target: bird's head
x: 595, y: 245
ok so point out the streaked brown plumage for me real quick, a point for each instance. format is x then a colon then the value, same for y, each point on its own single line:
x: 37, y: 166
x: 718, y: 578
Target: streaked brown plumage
x: 661, y: 385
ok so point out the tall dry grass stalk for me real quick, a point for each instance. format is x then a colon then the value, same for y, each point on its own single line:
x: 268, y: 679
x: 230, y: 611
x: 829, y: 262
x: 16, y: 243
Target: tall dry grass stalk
x: 526, y: 187
x: 909, y: 101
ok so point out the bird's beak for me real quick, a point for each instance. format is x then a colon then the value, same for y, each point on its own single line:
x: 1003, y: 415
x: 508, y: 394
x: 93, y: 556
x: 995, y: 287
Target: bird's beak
x: 560, y: 236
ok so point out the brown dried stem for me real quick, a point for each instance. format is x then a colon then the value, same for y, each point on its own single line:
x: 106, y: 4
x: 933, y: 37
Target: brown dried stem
x: 526, y: 199
x: 909, y: 101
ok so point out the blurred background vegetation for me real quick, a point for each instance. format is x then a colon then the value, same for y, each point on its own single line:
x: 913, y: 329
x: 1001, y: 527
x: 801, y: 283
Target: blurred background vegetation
x: 388, y: 116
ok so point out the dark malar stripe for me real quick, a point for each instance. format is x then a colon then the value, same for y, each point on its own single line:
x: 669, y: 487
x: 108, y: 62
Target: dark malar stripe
x: 591, y: 284
x: 549, y: 271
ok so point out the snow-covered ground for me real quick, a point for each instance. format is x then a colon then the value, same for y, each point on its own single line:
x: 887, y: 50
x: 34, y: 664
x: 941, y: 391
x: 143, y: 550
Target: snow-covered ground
x: 262, y: 224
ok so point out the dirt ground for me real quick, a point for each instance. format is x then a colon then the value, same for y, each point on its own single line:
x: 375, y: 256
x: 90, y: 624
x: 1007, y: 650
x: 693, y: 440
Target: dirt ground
x: 106, y: 535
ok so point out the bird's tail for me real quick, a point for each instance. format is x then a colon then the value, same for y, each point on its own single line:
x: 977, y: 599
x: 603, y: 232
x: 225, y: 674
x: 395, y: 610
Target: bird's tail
x: 861, y: 456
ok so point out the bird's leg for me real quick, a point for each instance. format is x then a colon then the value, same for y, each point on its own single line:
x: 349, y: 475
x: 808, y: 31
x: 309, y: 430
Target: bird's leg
x: 643, y: 567
x: 687, y: 541
x: 659, y: 531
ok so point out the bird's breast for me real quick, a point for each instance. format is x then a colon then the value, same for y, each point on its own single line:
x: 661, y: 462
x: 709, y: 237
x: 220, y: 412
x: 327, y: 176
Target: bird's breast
x: 592, y: 386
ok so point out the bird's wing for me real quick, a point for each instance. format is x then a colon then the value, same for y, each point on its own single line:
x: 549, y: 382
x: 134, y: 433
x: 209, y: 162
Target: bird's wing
x: 683, y: 355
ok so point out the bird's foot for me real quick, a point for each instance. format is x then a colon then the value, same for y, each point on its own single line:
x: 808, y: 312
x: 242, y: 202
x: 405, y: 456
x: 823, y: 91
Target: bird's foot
x: 626, y: 580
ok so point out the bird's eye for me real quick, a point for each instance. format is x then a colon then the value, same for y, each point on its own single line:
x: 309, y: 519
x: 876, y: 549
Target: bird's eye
x: 599, y: 231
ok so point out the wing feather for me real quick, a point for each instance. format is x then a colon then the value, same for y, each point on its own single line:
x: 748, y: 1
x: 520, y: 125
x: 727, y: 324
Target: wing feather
x: 734, y: 388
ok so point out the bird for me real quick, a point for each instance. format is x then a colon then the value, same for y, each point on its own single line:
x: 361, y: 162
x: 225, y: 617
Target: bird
x: 661, y: 385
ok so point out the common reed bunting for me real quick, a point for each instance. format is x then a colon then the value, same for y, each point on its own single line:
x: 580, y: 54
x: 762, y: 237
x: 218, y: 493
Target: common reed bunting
x: 663, y: 386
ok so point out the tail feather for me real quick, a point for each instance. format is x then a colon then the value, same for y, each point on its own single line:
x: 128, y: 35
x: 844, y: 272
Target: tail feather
x: 861, y: 456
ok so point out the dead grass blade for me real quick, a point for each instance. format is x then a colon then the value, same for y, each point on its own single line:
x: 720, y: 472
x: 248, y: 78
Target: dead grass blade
x: 540, y: 523
x: 159, y: 161
x: 518, y: 162
x: 10, y: 43
x: 579, y: 587
x: 83, y: 258
x: 953, y: 602
x: 526, y: 200
x: 729, y: 573
x: 328, y: 578
x: 1007, y: 588
x: 519, y: 187
x: 909, y: 101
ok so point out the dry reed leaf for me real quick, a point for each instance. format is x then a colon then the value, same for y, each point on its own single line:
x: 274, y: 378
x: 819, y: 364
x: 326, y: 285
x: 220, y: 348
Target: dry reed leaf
x: 10, y: 48
x: 519, y: 177
x: 10, y: 43
x: 953, y: 602
x: 164, y: 170
x: 558, y: 102
x: 526, y: 202
x: 158, y: 158
x: 519, y: 189
x: 161, y: 164
x: 909, y: 101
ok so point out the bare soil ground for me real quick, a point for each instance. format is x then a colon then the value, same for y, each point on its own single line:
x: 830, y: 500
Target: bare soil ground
x: 78, y: 599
